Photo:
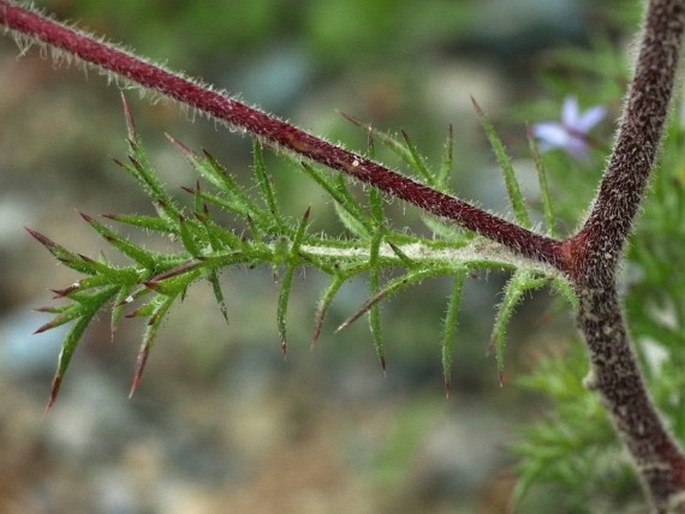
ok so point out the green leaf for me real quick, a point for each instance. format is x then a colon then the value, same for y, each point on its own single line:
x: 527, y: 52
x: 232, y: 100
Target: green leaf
x: 221, y: 238
x: 146, y: 222
x: 564, y: 288
x: 450, y: 329
x: 258, y: 218
x: 452, y: 233
x: 522, y: 281
x: 264, y: 182
x: 550, y: 218
x: 216, y: 174
x: 72, y: 312
x: 218, y: 294
x: 73, y: 337
x: 135, y: 252
x: 299, y: 234
x: 145, y: 175
x: 392, y: 287
x: 325, y: 301
x: 69, y: 259
x: 417, y: 162
x: 352, y: 224
x: 282, y: 307
x: 375, y: 200
x: 120, y: 300
x: 349, y: 211
x: 504, y: 161
x: 406, y: 260
x: 191, y: 237
x: 158, y: 309
x: 198, y: 204
x: 68, y: 346
x: 287, y: 281
x: 407, y: 151
x: 447, y: 159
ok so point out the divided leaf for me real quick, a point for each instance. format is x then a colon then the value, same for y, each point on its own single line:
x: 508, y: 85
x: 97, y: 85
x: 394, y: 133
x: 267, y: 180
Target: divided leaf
x: 205, y: 247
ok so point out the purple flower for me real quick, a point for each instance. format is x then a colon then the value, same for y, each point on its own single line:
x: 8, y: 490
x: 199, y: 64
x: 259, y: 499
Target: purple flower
x: 571, y: 134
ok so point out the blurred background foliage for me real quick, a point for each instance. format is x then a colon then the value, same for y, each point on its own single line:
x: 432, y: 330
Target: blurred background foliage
x: 221, y: 423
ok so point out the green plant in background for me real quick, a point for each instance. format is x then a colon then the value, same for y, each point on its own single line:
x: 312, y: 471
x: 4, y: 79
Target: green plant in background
x: 575, y: 447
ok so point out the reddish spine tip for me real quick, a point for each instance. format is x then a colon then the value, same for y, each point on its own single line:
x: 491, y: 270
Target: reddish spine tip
x: 141, y: 360
x: 317, y: 330
x: 44, y: 240
x: 86, y: 217
x: 130, y: 125
x: 186, y: 151
x: 43, y: 328
x: 491, y: 346
x: 61, y: 293
x: 54, y: 391
x: 352, y: 119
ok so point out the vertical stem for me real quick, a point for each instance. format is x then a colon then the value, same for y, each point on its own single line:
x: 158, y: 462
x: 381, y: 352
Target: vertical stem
x: 594, y: 254
x: 616, y: 377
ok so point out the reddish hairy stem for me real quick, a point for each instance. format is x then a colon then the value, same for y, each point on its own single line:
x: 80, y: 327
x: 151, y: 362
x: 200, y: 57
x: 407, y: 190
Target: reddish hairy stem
x: 278, y: 133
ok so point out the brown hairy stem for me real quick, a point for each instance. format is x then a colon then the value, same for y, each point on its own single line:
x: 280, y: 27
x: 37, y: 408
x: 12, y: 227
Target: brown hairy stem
x: 597, y: 249
x: 589, y: 259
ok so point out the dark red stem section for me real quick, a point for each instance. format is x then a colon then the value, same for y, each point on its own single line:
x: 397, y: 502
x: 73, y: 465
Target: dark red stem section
x: 278, y: 133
